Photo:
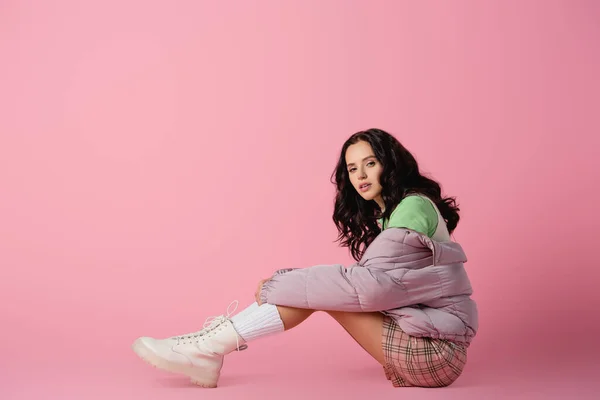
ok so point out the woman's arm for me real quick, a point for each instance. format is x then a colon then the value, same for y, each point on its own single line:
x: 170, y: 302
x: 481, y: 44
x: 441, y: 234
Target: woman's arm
x: 354, y: 288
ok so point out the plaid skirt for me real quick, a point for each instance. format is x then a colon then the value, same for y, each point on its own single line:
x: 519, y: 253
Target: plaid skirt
x: 420, y: 361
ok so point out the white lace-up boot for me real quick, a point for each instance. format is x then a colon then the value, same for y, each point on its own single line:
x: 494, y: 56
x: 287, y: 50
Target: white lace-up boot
x: 198, y: 355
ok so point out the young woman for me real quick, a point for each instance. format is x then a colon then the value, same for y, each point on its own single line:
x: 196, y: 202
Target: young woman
x: 406, y: 300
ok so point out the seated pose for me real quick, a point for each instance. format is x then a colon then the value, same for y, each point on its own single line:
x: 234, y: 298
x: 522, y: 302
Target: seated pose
x: 406, y: 300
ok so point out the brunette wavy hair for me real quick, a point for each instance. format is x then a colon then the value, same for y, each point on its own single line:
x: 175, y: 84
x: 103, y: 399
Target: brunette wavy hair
x: 355, y: 217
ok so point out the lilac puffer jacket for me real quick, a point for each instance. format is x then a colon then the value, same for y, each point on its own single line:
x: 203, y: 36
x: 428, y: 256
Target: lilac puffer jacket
x: 420, y: 283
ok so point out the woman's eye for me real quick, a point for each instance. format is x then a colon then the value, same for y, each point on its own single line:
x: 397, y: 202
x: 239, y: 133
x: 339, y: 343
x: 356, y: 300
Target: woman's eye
x: 352, y: 169
x: 371, y: 163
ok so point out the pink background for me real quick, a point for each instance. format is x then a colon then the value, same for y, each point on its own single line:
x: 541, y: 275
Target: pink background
x: 158, y: 158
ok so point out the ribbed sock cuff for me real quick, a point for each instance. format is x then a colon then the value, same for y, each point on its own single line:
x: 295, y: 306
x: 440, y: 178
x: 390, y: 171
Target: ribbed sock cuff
x: 258, y: 322
x: 245, y: 312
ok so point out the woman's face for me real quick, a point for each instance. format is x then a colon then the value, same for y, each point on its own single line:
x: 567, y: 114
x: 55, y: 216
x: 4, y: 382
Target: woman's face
x: 364, y: 170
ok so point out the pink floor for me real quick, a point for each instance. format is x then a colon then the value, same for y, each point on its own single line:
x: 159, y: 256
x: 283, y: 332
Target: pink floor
x: 127, y: 379
x: 283, y: 367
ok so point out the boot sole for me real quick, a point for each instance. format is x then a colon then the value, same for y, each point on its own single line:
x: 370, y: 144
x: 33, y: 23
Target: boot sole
x: 148, y: 356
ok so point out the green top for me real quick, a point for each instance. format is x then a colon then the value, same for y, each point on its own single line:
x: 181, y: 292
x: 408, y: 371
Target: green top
x: 413, y: 212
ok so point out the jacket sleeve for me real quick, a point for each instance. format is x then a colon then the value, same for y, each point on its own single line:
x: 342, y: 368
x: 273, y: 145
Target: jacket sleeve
x: 352, y: 289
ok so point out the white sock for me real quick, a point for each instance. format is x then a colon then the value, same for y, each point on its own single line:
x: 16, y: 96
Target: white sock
x: 245, y: 312
x: 257, y: 321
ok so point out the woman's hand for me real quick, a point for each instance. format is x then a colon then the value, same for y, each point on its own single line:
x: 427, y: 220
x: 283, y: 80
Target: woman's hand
x: 259, y: 290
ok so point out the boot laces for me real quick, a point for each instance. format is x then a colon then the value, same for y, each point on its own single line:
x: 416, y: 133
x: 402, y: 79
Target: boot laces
x: 210, y: 324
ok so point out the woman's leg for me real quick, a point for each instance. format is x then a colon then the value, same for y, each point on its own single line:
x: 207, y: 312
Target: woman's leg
x: 365, y: 328
x: 292, y: 317
x: 200, y: 354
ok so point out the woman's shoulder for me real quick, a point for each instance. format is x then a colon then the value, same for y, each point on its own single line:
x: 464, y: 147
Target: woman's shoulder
x: 415, y: 212
x: 414, y: 202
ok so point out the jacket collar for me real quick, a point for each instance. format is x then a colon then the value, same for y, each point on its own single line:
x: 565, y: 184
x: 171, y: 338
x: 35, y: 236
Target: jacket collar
x: 443, y: 252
